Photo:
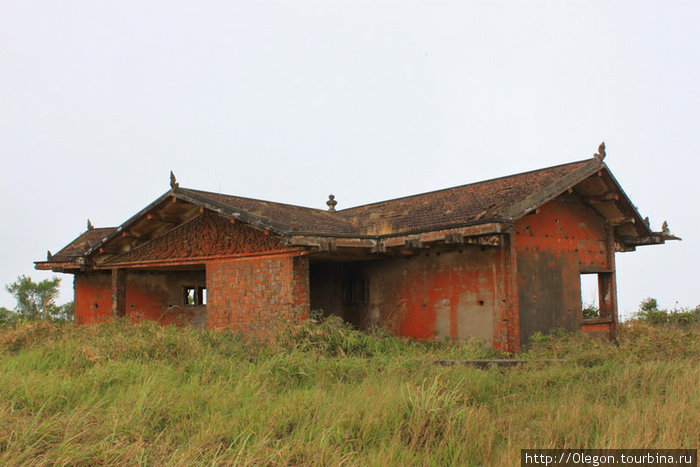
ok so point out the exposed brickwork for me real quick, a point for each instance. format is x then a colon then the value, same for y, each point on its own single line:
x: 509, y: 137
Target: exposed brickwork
x: 248, y: 293
x: 205, y: 236
x: 118, y: 289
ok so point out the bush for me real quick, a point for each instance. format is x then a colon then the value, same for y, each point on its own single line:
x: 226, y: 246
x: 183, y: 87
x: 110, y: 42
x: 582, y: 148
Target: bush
x: 650, y: 313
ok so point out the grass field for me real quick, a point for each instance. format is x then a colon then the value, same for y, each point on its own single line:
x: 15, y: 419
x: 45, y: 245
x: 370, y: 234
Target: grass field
x: 323, y: 394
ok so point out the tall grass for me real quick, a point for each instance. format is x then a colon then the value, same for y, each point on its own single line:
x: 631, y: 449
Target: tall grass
x: 324, y: 394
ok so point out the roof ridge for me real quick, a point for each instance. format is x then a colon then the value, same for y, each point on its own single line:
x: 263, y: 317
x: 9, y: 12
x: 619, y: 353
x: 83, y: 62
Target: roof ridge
x: 342, y: 211
x: 252, y: 199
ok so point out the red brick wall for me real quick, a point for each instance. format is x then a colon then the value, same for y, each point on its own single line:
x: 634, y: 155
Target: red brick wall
x: 249, y: 293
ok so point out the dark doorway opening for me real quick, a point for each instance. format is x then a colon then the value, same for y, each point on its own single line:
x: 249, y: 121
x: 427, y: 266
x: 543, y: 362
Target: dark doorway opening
x: 340, y: 289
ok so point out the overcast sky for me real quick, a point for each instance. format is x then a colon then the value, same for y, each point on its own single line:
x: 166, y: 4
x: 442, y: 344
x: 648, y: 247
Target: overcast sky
x: 291, y: 101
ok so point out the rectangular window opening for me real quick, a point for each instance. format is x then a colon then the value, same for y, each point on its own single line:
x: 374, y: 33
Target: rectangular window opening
x: 590, y: 306
x: 194, y: 295
x: 597, y: 295
x: 355, y: 292
x: 189, y: 295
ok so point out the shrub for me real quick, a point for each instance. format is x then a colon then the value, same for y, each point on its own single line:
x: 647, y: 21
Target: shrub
x: 650, y: 313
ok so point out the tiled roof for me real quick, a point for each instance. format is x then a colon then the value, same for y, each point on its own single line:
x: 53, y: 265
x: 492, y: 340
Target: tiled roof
x: 286, y: 218
x: 451, y: 207
x: 486, y: 201
x: 82, y: 244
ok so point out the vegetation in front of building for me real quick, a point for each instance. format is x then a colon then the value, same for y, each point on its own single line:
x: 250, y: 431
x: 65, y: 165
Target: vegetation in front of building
x: 322, y: 393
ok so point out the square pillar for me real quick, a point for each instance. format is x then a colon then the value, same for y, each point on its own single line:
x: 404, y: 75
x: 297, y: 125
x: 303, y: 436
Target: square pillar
x: 607, y: 286
x: 118, y: 293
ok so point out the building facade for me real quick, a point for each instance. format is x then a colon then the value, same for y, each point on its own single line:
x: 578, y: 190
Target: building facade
x: 497, y: 260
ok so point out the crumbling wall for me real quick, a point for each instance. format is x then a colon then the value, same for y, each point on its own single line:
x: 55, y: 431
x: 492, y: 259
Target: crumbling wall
x: 554, y: 245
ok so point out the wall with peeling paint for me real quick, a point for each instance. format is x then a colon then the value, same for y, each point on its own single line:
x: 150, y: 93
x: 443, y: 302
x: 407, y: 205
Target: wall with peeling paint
x: 149, y: 295
x: 159, y: 296
x: 563, y: 239
x: 451, y: 294
x: 432, y: 294
x: 93, y: 297
x: 500, y: 294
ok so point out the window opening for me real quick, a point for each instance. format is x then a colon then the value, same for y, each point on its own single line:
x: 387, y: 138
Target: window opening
x: 194, y: 295
x: 598, y: 295
x: 355, y: 292
x: 589, y: 296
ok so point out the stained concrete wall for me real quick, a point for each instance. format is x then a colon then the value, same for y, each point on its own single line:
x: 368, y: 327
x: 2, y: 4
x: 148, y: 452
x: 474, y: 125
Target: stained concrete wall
x: 554, y: 246
x: 450, y: 294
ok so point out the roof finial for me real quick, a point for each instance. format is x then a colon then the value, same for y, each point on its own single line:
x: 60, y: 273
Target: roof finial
x: 173, y: 180
x: 600, y: 155
x: 89, y: 225
x: 664, y: 229
x: 49, y: 256
x: 646, y: 222
x: 331, y: 203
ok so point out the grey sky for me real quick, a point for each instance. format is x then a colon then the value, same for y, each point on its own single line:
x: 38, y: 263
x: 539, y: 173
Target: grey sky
x: 290, y: 101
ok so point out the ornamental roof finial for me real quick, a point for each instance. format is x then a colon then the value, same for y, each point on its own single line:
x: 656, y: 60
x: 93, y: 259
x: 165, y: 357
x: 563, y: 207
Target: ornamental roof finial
x: 600, y: 155
x: 331, y: 203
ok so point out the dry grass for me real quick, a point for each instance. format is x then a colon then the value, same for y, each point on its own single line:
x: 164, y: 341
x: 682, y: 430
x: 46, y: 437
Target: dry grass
x: 119, y: 394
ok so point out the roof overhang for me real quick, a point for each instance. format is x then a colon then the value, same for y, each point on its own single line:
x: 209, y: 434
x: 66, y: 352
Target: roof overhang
x: 595, y: 184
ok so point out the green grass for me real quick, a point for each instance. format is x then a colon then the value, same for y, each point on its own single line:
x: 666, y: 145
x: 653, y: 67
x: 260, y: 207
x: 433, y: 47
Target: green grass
x: 323, y: 394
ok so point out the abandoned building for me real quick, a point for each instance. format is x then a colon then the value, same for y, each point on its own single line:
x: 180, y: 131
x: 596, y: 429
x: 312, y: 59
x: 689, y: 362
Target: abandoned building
x: 496, y: 260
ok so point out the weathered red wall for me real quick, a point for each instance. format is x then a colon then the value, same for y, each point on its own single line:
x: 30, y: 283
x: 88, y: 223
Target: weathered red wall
x: 451, y: 294
x: 554, y: 246
x: 149, y: 295
x: 434, y: 294
x: 158, y: 296
x: 93, y: 297
x: 253, y: 276
x: 249, y: 293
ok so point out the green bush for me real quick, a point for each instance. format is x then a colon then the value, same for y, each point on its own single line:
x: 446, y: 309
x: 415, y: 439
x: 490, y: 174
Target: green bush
x: 650, y: 313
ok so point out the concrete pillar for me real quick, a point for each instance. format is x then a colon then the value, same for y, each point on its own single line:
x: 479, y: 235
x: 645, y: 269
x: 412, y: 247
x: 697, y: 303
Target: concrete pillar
x: 607, y: 285
x: 118, y: 292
